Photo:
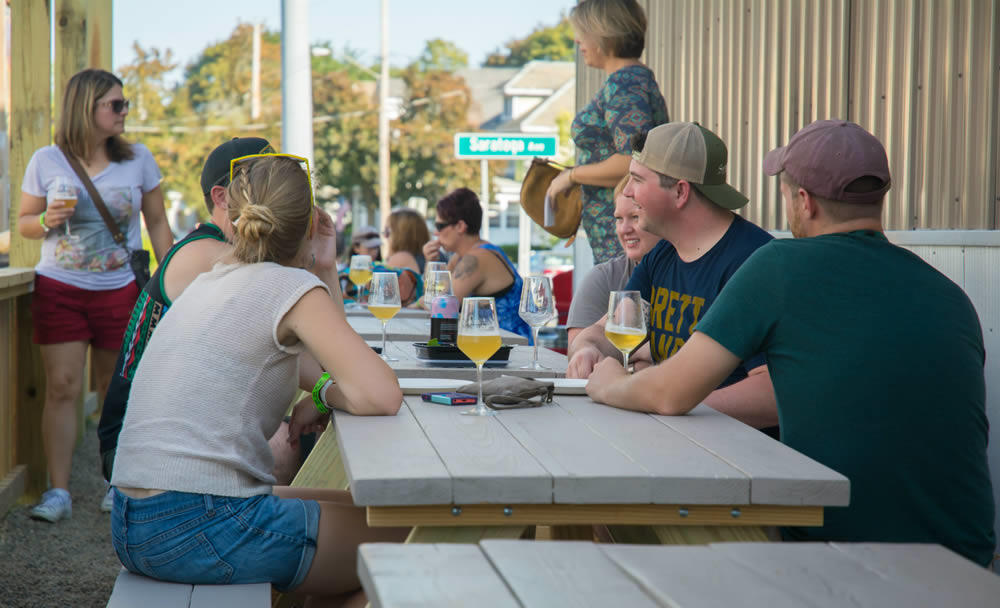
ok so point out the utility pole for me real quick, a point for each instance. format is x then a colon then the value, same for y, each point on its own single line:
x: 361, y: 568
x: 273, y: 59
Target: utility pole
x: 255, y: 75
x: 383, y: 124
x: 296, y: 80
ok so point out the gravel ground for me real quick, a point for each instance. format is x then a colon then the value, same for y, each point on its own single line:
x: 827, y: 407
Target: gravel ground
x: 70, y: 563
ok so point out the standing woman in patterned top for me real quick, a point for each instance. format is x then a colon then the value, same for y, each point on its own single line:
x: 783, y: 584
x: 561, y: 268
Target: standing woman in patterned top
x: 611, y: 35
x: 84, y: 286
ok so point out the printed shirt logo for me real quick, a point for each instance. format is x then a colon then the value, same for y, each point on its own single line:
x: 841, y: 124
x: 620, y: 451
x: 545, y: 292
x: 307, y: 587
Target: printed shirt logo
x: 673, y: 317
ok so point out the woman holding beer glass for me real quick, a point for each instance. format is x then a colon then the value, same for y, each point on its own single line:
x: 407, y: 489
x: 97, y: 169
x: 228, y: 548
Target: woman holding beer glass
x: 84, y: 287
x: 194, y: 442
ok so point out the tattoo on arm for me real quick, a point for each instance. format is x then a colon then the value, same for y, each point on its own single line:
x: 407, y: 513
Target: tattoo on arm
x: 466, y: 266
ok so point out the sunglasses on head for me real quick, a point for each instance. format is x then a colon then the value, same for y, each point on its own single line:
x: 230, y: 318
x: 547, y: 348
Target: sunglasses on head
x: 303, y: 162
x: 442, y: 225
x: 117, y: 105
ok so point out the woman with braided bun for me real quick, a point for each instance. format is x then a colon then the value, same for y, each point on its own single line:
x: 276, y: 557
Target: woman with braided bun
x: 194, y: 500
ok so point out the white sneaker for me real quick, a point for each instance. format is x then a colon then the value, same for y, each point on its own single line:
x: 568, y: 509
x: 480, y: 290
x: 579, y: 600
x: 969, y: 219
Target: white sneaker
x: 56, y: 504
x: 107, y: 501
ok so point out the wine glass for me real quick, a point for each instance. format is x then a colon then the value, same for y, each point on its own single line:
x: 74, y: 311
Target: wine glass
x: 429, y: 289
x: 63, y: 189
x: 359, y: 274
x: 479, y: 338
x: 383, y: 302
x: 626, y: 325
x: 538, y: 307
x: 436, y: 283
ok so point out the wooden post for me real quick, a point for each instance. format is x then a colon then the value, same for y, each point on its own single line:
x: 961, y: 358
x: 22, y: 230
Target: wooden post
x: 31, y: 129
x: 99, y: 34
x: 70, y: 46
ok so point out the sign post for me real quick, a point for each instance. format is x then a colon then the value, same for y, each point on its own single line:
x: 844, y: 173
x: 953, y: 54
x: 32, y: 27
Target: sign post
x: 502, y: 146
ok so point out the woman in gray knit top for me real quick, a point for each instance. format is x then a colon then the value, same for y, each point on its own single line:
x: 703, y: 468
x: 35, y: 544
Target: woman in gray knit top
x: 193, y: 499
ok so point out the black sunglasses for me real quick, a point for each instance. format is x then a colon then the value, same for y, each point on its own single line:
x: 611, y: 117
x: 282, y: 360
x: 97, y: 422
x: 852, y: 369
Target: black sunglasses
x: 442, y: 225
x: 117, y: 105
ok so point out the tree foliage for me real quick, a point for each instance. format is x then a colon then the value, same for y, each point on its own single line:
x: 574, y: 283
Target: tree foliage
x: 553, y: 43
x: 442, y: 55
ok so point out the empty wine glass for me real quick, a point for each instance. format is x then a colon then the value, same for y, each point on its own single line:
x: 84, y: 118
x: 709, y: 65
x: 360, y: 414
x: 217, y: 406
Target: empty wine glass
x: 479, y: 338
x: 538, y: 307
x: 432, y: 287
x: 360, y: 273
x: 626, y: 325
x: 383, y: 302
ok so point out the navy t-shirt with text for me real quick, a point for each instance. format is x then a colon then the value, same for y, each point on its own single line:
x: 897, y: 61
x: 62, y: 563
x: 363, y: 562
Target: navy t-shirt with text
x: 680, y: 293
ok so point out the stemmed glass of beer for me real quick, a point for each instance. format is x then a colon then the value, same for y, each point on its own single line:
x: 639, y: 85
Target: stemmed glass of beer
x: 479, y: 338
x: 383, y: 302
x: 62, y: 189
x: 626, y: 324
x: 360, y: 273
x: 538, y: 307
x: 435, y: 284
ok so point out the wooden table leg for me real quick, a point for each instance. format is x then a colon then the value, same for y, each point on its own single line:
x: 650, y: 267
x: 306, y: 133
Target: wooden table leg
x: 324, y: 468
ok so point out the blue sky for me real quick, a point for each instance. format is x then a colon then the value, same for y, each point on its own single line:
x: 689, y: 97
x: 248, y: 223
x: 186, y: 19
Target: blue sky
x: 476, y: 26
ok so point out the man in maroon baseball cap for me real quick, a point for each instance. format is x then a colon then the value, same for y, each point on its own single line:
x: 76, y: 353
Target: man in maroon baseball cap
x: 876, y: 357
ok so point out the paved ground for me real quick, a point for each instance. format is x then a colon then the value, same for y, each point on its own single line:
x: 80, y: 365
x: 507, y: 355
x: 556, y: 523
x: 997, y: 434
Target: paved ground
x: 68, y: 564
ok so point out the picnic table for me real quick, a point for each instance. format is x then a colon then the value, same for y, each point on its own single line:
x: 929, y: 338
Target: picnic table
x: 577, y: 463
x: 410, y: 329
x: 404, y: 313
x: 410, y: 366
x: 500, y: 573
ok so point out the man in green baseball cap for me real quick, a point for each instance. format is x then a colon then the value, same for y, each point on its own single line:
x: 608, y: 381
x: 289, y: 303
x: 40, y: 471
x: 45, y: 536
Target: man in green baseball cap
x: 678, y: 182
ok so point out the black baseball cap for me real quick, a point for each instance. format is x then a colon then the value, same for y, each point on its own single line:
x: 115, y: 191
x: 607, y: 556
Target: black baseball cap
x: 216, y: 169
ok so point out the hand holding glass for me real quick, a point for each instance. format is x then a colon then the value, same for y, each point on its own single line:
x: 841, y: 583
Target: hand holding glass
x: 360, y: 273
x: 383, y: 302
x: 626, y: 324
x: 538, y: 307
x: 479, y: 338
x: 63, y: 190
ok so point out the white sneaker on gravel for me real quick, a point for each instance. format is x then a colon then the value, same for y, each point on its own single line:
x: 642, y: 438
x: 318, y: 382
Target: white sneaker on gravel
x: 56, y: 504
x: 108, y: 500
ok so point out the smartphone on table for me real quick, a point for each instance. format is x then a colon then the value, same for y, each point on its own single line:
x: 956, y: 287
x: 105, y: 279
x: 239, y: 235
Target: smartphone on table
x: 450, y: 398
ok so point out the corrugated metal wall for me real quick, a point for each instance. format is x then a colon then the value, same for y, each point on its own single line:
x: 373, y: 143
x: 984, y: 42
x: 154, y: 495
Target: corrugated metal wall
x: 923, y: 75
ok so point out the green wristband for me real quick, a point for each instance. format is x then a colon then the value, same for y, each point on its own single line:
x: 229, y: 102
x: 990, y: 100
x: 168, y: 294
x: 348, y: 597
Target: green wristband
x: 41, y: 221
x: 315, y: 393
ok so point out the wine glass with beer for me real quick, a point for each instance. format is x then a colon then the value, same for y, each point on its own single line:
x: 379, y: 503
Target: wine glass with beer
x: 383, y: 302
x: 62, y: 190
x: 479, y: 338
x: 538, y: 307
x: 360, y: 273
x: 626, y: 324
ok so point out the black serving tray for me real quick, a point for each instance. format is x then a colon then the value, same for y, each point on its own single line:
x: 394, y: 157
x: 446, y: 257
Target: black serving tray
x: 450, y: 352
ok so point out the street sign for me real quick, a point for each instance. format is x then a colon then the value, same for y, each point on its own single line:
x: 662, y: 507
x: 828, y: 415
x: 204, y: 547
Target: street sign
x: 489, y: 146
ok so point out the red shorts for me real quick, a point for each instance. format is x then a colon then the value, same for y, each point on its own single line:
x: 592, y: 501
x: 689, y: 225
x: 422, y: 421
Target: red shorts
x: 63, y: 313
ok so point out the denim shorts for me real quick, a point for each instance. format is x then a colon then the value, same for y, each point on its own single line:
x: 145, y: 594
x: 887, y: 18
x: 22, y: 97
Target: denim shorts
x: 202, y: 539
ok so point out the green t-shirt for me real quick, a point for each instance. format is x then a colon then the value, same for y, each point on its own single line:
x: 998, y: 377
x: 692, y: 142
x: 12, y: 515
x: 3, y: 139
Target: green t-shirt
x: 877, y: 363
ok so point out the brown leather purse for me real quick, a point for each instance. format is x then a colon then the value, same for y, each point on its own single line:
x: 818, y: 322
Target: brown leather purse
x: 568, y: 204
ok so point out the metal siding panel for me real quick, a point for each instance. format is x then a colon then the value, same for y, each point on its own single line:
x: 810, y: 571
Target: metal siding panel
x: 948, y: 260
x: 983, y: 287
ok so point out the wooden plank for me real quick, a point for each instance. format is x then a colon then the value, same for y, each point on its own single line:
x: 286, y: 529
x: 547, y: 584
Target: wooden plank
x: 551, y: 574
x: 70, y: 46
x: 410, y: 329
x: 8, y: 349
x: 11, y: 277
x: 324, y: 467
x: 464, y: 534
x: 404, y: 313
x: 430, y: 575
x: 778, y: 474
x: 688, y: 473
x: 823, y: 574
x: 99, y: 34
x: 257, y: 595
x: 133, y: 590
x: 585, y: 467
x: 933, y: 570
x: 28, y: 399
x: 699, y: 576
x: 486, y: 463
x: 30, y: 123
x: 409, y: 366
x: 12, y: 487
x: 389, y: 460
x: 570, y: 514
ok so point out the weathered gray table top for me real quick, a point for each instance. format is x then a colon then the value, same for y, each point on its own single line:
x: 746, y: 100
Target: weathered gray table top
x: 574, y: 452
x: 573, y: 574
x: 410, y: 329
x: 409, y: 366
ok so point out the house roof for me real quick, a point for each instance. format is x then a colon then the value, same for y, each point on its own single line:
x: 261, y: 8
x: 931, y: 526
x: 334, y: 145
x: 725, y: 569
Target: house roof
x: 540, y: 78
x: 486, y: 88
x: 542, y: 118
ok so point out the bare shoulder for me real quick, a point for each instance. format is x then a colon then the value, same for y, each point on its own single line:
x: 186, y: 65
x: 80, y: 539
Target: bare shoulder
x: 403, y: 259
x: 190, y: 261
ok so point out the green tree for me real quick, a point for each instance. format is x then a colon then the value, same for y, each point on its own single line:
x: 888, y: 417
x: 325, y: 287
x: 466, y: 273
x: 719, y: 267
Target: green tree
x: 553, y: 43
x: 145, y: 80
x: 441, y: 55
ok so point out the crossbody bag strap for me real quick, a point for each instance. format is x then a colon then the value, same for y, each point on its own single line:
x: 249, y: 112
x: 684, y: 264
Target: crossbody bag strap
x: 96, y: 197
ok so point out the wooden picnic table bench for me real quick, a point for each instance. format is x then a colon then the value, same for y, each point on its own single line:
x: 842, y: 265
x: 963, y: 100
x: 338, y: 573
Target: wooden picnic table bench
x: 501, y: 573
x: 134, y: 590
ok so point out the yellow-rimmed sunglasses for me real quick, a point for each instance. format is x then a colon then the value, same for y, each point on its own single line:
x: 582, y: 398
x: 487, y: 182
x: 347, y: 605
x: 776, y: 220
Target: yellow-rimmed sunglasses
x: 301, y: 160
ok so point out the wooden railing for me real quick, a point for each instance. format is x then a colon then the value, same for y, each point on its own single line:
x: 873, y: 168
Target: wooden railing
x: 22, y: 392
